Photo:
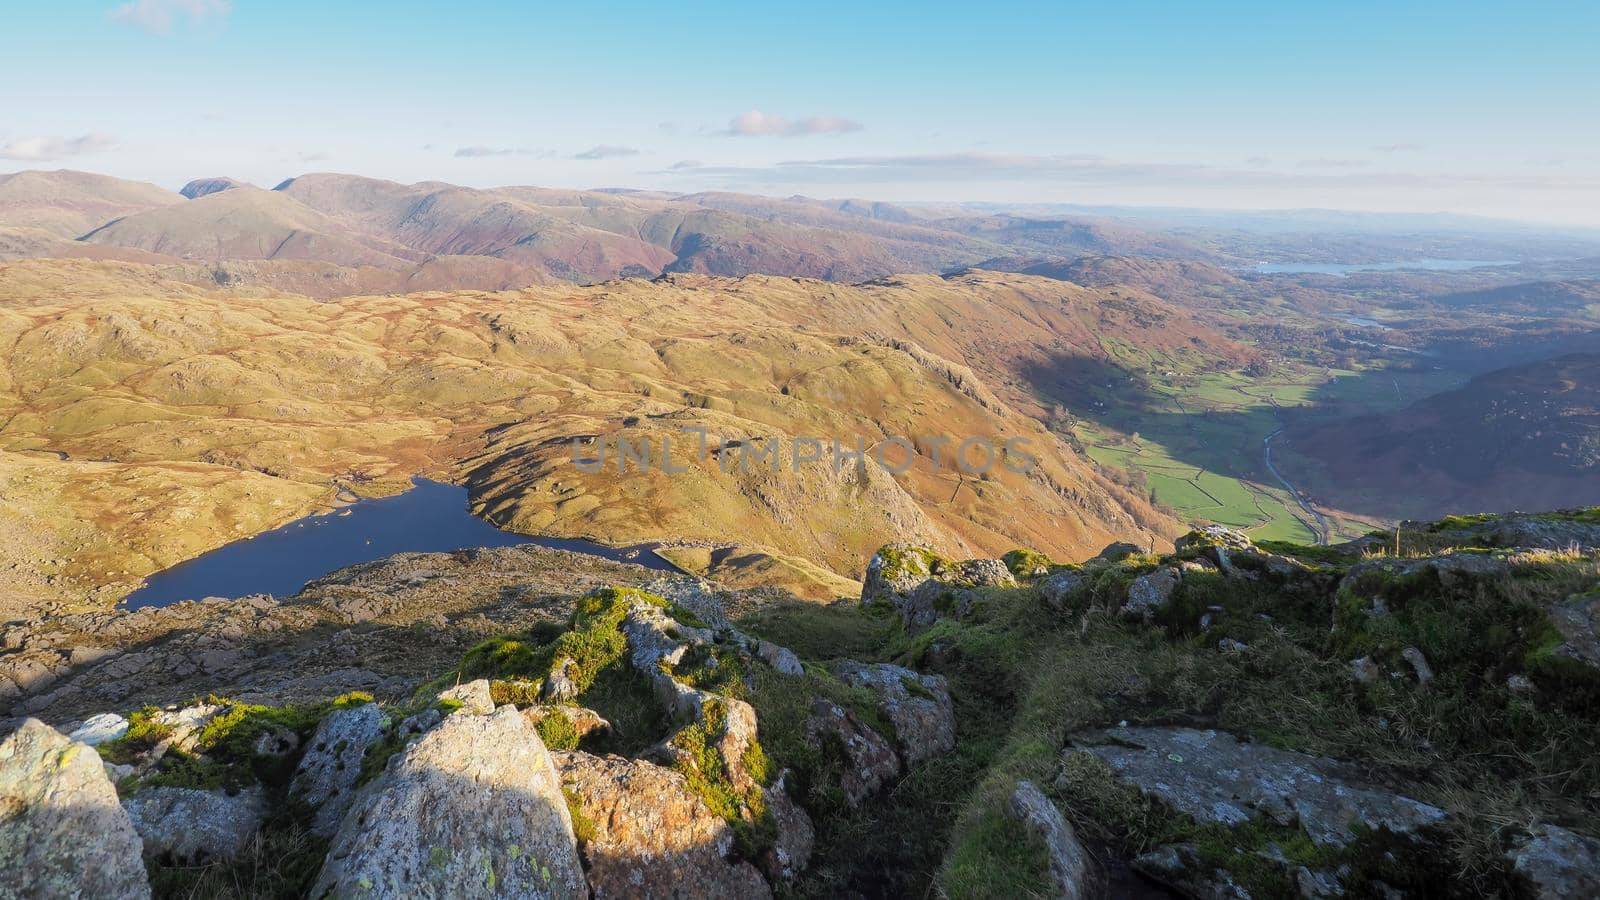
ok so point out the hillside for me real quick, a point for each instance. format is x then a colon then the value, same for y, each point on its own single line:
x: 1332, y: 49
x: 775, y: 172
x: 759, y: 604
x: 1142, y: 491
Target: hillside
x: 248, y: 223
x: 492, y: 390
x: 68, y: 204
x: 1524, y: 437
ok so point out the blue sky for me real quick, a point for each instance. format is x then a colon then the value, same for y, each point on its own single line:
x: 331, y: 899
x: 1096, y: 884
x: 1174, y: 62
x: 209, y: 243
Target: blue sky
x: 1490, y: 108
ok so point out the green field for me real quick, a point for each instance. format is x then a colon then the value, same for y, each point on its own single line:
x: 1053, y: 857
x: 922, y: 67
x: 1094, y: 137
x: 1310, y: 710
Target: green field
x: 1197, y: 440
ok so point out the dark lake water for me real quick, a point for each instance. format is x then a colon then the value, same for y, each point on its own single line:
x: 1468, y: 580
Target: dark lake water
x: 431, y: 517
x: 1431, y: 265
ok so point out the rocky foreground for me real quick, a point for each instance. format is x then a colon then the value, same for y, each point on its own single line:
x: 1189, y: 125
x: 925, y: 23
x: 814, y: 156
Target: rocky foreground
x: 1227, y: 720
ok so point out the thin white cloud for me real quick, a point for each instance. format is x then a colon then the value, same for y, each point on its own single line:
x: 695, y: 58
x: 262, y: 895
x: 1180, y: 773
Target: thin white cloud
x: 605, y: 151
x: 159, y: 16
x: 1333, y: 163
x: 756, y: 123
x: 36, y: 149
x: 480, y: 150
x: 1397, y: 148
x: 684, y: 164
x: 313, y: 156
x: 1088, y: 170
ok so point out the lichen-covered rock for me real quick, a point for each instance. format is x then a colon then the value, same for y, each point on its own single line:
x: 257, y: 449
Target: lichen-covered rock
x: 870, y: 761
x: 1058, y: 588
x: 100, y: 729
x: 1558, y: 863
x: 795, y: 835
x: 1117, y: 551
x: 645, y: 834
x: 328, y: 772
x: 1069, y: 861
x: 1577, y: 620
x: 985, y: 573
x: 1213, y: 537
x: 193, y: 827
x: 62, y: 831
x: 1215, y: 778
x: 560, y: 684
x: 696, y: 595
x: 1419, y: 664
x: 1149, y: 594
x: 917, y: 705
x: 656, y: 643
x: 473, y: 696
x: 923, y: 586
x: 473, y: 809
x: 781, y: 659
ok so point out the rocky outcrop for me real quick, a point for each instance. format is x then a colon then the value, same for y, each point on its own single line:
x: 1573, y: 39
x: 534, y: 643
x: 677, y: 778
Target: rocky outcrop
x: 100, y: 729
x: 473, y: 696
x: 61, y: 827
x: 1150, y: 593
x: 922, y: 585
x: 1577, y: 620
x: 473, y: 809
x: 796, y: 836
x: 1069, y: 861
x: 869, y: 760
x: 1558, y: 863
x: 917, y: 705
x: 328, y: 772
x: 192, y: 827
x: 696, y: 595
x: 1057, y: 589
x: 1217, y: 779
x: 644, y: 834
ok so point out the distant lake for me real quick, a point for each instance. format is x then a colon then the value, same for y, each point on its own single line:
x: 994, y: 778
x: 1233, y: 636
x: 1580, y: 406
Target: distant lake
x: 1431, y: 265
x: 430, y: 518
x: 1365, y: 322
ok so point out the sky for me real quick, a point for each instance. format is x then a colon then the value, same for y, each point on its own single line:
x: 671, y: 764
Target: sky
x: 1488, y: 108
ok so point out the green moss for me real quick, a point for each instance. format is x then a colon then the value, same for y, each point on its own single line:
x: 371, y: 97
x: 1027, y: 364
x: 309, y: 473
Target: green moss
x: 143, y: 733
x: 911, y: 563
x: 710, y: 669
x: 582, y: 826
x: 701, y: 764
x: 1026, y: 563
x: 558, y: 732
x: 514, y: 692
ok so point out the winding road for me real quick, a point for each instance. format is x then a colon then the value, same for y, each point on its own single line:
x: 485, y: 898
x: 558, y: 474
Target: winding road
x: 1266, y: 456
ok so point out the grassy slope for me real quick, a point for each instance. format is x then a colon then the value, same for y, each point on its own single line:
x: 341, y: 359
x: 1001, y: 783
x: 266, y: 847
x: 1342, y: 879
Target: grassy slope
x: 1196, y: 439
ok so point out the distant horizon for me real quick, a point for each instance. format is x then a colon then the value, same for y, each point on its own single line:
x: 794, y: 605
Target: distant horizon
x: 1040, y: 207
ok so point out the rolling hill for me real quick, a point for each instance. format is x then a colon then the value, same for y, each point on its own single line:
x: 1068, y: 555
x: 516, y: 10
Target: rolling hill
x: 530, y: 234
x: 1526, y: 437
